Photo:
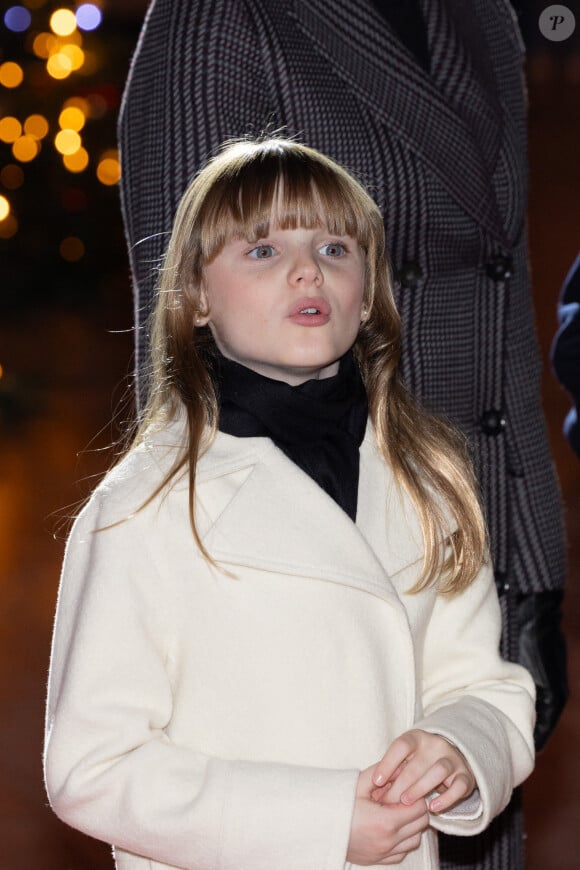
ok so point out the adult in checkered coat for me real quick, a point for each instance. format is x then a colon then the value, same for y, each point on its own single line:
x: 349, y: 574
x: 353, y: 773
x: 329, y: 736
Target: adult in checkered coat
x: 425, y: 103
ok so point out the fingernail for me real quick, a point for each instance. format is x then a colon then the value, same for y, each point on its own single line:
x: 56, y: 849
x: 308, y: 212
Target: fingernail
x: 378, y: 779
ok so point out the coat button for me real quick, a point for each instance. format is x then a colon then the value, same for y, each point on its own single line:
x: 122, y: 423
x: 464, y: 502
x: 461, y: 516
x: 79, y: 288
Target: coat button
x: 499, y: 267
x: 409, y: 275
x: 492, y: 422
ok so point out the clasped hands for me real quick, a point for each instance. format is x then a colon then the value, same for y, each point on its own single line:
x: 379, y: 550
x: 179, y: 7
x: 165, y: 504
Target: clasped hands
x: 391, y: 810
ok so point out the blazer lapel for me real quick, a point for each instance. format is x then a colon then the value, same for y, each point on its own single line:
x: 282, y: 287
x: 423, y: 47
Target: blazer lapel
x: 384, y: 75
x: 462, y: 70
x: 268, y: 514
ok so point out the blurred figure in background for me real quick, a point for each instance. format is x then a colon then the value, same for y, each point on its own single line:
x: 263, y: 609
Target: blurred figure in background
x: 425, y: 102
x: 566, y: 350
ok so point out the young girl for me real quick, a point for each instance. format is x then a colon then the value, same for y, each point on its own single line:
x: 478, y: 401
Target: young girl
x: 276, y: 637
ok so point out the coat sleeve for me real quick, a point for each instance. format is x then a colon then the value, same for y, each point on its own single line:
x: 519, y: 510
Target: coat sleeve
x: 111, y: 769
x: 480, y: 702
x: 197, y: 78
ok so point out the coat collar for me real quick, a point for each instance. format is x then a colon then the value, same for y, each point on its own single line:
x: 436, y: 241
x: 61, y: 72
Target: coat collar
x: 422, y: 111
x: 263, y: 512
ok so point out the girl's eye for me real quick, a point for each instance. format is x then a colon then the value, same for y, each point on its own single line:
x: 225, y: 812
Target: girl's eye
x: 333, y: 249
x: 262, y: 252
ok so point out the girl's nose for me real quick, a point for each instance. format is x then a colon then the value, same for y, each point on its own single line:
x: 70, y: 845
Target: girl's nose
x: 305, y: 271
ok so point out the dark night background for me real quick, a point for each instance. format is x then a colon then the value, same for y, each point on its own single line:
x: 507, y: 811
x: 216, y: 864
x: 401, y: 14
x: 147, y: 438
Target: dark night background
x: 65, y: 364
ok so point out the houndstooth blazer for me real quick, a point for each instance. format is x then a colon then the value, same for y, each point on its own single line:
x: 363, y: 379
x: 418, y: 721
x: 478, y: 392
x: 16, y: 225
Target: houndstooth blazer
x: 444, y: 155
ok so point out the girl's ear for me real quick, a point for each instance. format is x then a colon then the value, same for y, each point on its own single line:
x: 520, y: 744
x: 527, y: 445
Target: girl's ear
x: 201, y: 317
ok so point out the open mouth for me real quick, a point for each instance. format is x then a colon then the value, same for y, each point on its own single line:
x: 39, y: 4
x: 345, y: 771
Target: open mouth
x: 310, y: 306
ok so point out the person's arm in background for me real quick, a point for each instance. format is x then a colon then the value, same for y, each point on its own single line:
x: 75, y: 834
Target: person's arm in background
x: 195, y: 80
x: 542, y: 645
x: 566, y: 350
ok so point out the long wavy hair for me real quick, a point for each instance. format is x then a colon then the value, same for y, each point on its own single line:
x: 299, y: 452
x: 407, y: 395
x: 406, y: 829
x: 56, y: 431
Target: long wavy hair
x: 247, y: 186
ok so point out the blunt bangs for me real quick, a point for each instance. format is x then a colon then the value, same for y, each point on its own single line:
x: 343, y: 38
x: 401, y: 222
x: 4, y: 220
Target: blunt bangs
x: 285, y: 184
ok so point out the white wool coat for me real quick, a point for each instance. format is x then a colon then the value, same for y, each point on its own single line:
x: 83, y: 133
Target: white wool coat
x: 216, y: 720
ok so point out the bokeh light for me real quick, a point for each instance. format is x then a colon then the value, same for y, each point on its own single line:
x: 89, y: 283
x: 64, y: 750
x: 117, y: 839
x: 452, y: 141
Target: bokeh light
x: 67, y: 141
x: 98, y: 106
x: 10, y: 129
x: 76, y: 162
x: 75, y: 54
x: 72, y: 249
x: 12, y: 176
x: 17, y: 19
x: 11, y: 74
x: 78, y: 103
x: 37, y: 126
x: 8, y: 227
x: 109, y: 168
x: 59, y: 66
x: 54, y: 35
x: 43, y: 44
x: 25, y: 149
x: 63, y: 22
x: 74, y: 38
x: 88, y: 16
x: 72, y: 118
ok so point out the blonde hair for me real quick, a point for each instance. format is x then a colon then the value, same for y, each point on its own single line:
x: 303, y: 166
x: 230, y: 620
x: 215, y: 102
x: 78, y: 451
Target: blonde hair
x: 237, y: 194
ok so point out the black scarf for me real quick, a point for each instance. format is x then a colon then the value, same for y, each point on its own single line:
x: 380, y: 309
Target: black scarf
x: 319, y: 425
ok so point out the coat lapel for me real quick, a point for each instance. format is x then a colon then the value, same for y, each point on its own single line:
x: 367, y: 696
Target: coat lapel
x: 266, y: 513
x: 385, y: 76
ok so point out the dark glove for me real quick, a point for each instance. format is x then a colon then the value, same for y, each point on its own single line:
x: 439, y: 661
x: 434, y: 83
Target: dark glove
x: 542, y: 650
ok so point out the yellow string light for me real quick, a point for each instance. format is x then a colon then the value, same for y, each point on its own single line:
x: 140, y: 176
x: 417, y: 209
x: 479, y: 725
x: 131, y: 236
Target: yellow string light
x: 67, y: 141
x: 11, y: 74
x: 25, y: 149
x: 4, y: 208
x: 43, y: 44
x: 76, y: 162
x: 10, y: 129
x: 109, y: 170
x: 8, y: 227
x: 59, y: 66
x: 36, y: 125
x: 75, y: 54
x: 63, y: 22
x: 78, y: 103
x: 72, y: 118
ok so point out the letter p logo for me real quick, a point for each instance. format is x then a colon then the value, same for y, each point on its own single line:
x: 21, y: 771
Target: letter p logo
x: 557, y: 23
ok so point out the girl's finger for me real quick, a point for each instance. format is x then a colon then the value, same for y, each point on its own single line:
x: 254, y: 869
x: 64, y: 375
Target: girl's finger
x: 439, y: 774
x: 379, y: 793
x: 461, y: 787
x: 393, y: 760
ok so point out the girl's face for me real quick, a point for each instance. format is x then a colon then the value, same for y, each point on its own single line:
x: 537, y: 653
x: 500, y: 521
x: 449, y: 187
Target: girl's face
x: 288, y: 305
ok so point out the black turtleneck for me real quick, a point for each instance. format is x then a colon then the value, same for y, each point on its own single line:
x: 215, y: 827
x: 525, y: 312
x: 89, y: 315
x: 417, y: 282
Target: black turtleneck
x: 319, y: 424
